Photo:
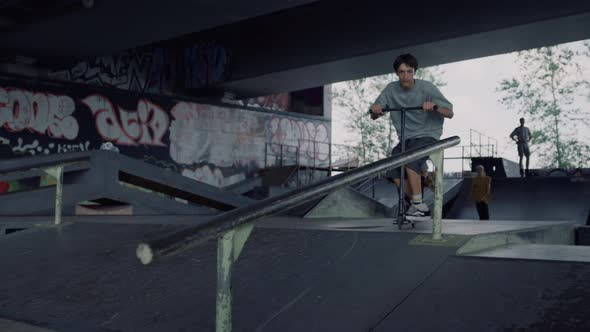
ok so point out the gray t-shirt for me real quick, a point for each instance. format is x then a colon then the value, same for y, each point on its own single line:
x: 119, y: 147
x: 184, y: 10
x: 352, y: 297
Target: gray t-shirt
x: 523, y: 135
x: 418, y: 123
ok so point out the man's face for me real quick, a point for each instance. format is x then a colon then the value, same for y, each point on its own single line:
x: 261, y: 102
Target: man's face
x: 406, y: 75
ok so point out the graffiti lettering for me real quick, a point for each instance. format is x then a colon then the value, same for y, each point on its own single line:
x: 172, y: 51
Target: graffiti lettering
x: 147, y: 125
x: 311, y: 138
x: 204, y: 64
x: 36, y: 148
x: 213, y: 176
x: 144, y: 71
x: 62, y: 148
x: 216, y: 135
x: 40, y: 113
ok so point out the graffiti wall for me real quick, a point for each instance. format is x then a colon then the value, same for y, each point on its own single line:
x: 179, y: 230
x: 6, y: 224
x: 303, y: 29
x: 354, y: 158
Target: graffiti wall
x: 213, y: 144
x: 154, y: 70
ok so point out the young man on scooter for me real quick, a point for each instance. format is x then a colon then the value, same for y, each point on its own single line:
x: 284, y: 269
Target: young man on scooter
x: 423, y: 127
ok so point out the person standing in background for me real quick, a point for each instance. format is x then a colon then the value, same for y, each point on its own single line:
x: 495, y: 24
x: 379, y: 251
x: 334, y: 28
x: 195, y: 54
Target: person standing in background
x: 522, y: 135
x: 480, y: 191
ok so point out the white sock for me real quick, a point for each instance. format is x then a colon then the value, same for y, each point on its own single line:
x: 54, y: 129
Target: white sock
x: 416, y: 199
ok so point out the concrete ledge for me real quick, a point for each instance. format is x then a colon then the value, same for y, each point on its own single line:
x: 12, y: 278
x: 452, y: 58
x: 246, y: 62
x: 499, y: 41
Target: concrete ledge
x: 562, y: 234
x: 348, y: 203
x: 543, y: 252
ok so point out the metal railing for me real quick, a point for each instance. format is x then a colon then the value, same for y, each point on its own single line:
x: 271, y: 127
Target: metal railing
x: 467, y: 152
x: 311, y: 158
x: 477, y: 146
x: 232, y: 228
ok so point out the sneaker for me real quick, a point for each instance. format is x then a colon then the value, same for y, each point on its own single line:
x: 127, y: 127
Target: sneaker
x: 418, y: 212
x: 407, y: 205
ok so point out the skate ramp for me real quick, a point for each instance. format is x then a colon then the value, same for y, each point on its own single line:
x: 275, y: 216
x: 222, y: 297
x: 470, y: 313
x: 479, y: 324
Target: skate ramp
x: 497, y: 167
x: 110, y: 179
x: 376, y: 198
x: 534, y: 198
x: 348, y: 203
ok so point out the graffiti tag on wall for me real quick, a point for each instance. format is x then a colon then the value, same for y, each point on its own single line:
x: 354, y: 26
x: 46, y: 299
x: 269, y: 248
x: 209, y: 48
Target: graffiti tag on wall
x: 143, y: 71
x: 205, y: 64
x: 146, y: 125
x: 38, y: 112
x: 310, y: 138
x: 153, y: 70
x: 222, y: 136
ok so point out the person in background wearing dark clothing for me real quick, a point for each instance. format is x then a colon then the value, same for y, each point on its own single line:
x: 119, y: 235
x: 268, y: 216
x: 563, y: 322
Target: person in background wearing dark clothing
x: 522, y: 136
x: 480, y: 191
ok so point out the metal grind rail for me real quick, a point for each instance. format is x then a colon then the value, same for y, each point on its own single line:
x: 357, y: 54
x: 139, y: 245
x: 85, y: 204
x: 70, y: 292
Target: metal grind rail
x: 232, y: 228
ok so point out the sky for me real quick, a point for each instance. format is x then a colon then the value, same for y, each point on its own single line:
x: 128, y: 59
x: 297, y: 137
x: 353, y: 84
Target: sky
x: 471, y: 86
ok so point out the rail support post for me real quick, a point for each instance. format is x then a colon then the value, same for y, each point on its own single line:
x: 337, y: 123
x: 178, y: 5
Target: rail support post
x: 57, y: 172
x: 437, y: 159
x: 229, y: 247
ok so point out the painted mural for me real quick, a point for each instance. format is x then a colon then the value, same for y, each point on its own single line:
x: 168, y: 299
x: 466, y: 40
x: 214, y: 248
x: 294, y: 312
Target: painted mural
x: 154, y: 70
x: 212, y: 144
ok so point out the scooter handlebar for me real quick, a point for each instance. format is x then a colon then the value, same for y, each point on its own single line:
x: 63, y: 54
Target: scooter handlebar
x: 403, y: 109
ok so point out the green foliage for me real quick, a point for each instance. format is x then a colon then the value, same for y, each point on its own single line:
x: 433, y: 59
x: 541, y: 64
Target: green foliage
x: 432, y: 74
x: 544, y: 92
x: 355, y: 97
x: 376, y: 137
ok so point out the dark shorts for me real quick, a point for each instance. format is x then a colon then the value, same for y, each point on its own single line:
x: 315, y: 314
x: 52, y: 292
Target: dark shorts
x: 523, y: 149
x: 417, y: 165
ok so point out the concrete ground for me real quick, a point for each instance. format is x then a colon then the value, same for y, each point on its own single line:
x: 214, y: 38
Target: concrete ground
x: 293, y: 275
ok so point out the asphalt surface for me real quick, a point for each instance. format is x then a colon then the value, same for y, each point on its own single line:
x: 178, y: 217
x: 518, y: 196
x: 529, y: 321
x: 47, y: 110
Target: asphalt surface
x: 85, y: 277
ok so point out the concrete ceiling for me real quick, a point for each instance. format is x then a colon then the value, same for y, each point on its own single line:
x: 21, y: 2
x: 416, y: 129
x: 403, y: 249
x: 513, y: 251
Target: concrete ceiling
x: 517, y: 38
x: 288, y: 45
x: 64, y: 30
x: 337, y: 41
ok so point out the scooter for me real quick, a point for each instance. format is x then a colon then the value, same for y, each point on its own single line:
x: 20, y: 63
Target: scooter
x: 401, y: 218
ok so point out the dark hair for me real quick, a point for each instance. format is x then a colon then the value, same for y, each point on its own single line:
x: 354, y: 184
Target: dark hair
x: 408, y: 59
x: 521, y: 120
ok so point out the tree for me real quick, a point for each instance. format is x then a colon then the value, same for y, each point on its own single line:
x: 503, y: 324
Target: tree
x: 355, y: 97
x: 544, y: 92
x: 375, y: 138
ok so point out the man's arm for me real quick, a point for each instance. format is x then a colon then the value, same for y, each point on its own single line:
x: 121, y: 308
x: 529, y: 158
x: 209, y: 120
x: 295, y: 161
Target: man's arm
x: 376, y: 111
x: 428, y: 106
x: 377, y: 107
x: 512, y: 134
x: 445, y: 108
x: 445, y: 112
